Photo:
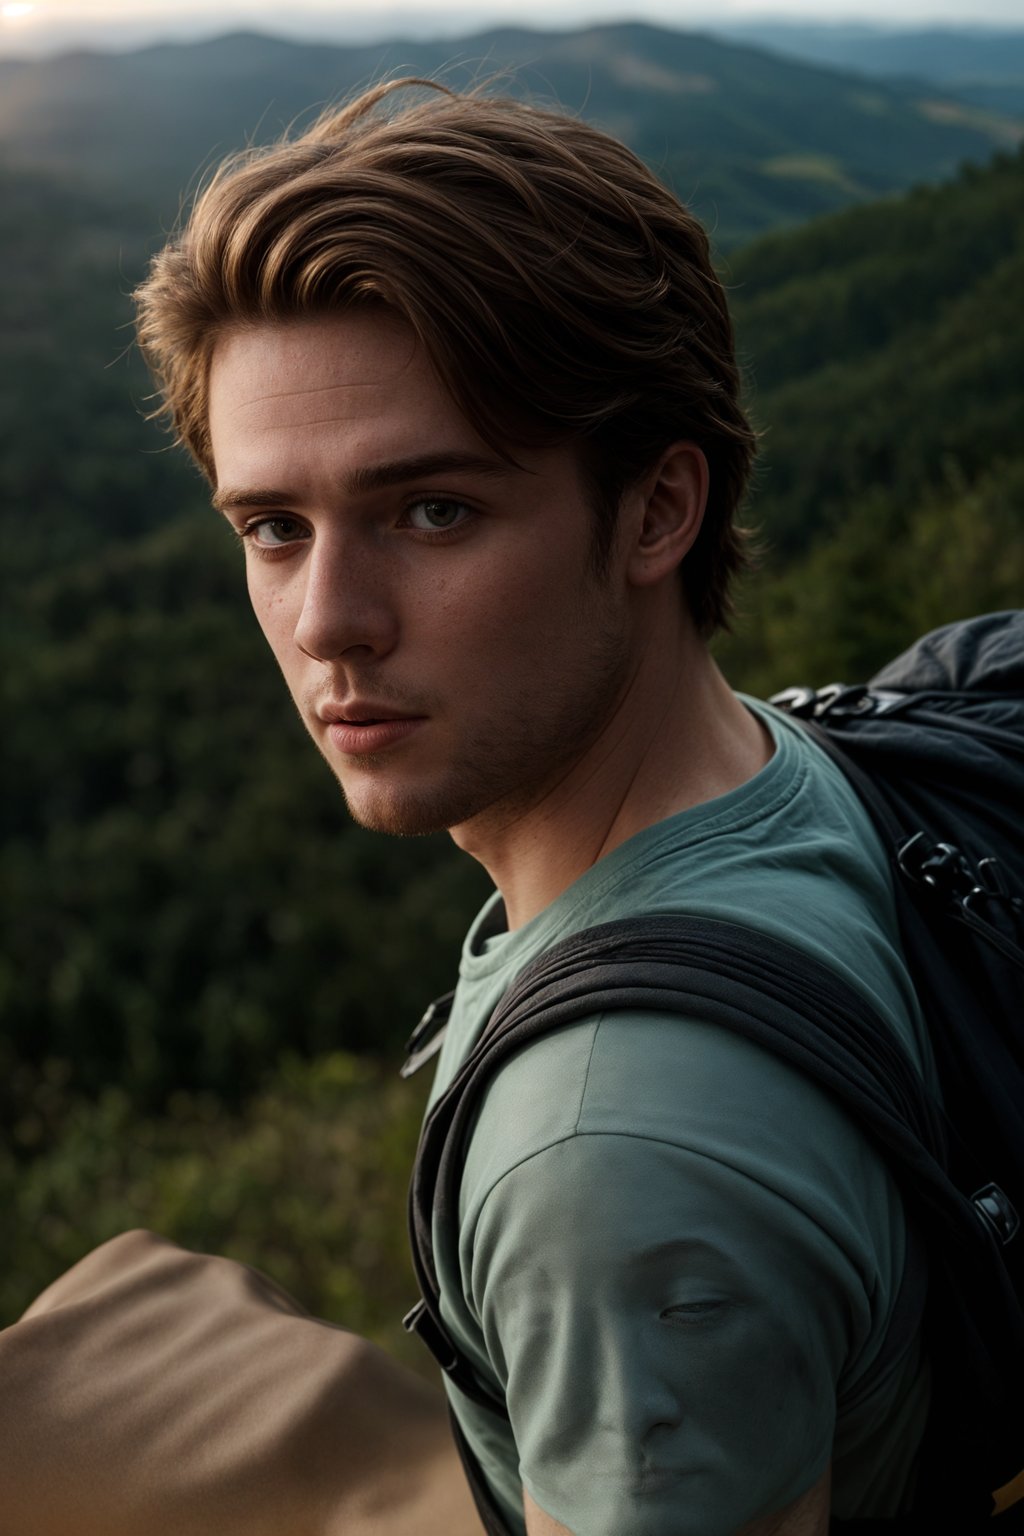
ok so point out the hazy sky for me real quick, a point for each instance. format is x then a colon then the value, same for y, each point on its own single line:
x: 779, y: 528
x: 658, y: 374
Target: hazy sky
x: 50, y: 24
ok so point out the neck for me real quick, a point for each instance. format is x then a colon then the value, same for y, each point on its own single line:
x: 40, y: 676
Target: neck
x: 675, y: 737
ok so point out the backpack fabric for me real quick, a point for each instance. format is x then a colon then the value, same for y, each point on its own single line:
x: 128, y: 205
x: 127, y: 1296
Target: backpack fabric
x: 934, y: 745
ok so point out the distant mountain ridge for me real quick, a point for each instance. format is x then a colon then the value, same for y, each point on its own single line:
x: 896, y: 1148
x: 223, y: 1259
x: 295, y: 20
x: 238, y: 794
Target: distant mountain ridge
x: 982, y: 65
x: 753, y: 140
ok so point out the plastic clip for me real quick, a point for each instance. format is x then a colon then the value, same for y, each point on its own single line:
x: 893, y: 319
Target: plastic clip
x: 428, y: 1036
x: 419, y: 1321
x: 997, y: 1212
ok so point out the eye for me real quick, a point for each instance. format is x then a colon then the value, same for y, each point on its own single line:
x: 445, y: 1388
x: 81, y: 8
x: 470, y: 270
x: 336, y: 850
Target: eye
x: 692, y: 1311
x: 435, y: 514
x: 273, y: 532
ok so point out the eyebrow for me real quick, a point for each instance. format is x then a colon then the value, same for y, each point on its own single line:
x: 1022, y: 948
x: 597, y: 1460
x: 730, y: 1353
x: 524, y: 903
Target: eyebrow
x: 375, y: 477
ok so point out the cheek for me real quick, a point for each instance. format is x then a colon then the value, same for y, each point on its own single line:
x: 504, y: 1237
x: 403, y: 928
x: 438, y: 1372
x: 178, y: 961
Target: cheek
x: 512, y: 605
x: 497, y: 628
x: 273, y: 611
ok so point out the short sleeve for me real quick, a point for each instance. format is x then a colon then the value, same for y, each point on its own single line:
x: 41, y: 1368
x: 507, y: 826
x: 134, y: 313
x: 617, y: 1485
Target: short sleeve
x: 672, y: 1324
x: 663, y: 1377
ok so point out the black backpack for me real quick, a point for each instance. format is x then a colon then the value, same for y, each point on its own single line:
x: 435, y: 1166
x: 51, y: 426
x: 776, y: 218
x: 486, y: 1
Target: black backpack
x: 934, y: 746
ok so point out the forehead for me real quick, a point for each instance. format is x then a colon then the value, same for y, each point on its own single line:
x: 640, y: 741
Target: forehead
x: 348, y: 372
x: 308, y: 406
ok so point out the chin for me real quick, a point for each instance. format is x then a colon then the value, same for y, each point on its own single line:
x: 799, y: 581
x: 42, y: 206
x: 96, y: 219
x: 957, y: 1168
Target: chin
x: 384, y: 798
x: 409, y: 812
x: 398, y: 820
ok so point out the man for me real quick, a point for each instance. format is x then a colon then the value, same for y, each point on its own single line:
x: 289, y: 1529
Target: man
x: 462, y: 377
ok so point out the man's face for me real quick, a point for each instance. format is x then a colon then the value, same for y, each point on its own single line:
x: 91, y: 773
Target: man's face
x: 435, y: 612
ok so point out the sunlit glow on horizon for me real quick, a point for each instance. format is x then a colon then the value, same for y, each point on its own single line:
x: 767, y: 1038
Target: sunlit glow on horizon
x: 43, y: 27
x: 140, y: 12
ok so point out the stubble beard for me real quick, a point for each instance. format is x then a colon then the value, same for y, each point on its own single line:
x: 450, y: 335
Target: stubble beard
x: 509, y: 763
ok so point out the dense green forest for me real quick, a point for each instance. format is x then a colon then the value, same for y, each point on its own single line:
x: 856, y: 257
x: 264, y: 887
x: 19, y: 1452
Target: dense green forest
x: 886, y: 356
x: 207, y: 972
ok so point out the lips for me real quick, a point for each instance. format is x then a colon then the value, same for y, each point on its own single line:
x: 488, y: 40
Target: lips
x: 358, y: 712
x: 359, y: 728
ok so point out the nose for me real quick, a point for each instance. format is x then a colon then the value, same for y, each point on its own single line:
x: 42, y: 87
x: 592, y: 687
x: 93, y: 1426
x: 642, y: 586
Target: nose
x: 346, y: 602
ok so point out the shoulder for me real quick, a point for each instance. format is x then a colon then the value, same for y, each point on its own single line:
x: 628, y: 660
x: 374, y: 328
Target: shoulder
x: 634, y: 1112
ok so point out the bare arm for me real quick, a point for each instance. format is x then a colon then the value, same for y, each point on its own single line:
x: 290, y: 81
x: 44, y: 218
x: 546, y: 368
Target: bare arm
x: 806, y: 1516
x: 539, y: 1523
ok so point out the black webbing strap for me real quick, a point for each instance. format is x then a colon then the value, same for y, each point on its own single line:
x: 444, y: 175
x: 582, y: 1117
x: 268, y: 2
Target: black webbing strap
x: 494, y: 1522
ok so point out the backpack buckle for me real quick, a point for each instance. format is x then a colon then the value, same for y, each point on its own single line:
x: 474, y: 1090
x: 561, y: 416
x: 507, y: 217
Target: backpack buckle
x: 836, y: 701
x: 799, y: 702
x: 997, y: 1213
x: 419, y: 1321
x: 839, y: 699
x: 939, y: 866
x: 979, y: 893
x: 428, y: 1036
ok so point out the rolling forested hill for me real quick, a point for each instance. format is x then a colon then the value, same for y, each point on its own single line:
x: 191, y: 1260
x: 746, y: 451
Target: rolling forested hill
x: 886, y: 354
x: 184, y: 900
x: 752, y: 139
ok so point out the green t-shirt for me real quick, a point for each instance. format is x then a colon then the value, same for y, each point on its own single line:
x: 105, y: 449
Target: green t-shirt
x: 677, y: 1258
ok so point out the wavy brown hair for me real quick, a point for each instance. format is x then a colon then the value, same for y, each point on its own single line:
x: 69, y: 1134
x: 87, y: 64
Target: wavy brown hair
x: 561, y: 292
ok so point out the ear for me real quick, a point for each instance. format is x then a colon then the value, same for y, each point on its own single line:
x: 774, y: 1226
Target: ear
x: 668, y: 513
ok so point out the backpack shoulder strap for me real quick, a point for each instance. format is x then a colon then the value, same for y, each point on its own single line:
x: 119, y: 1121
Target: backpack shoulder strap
x: 721, y: 973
